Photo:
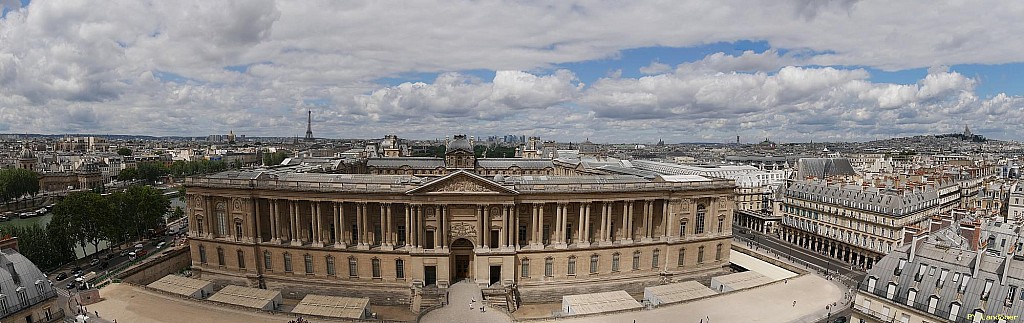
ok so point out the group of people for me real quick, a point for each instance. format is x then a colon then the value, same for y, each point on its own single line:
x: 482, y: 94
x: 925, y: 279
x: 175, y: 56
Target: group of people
x: 471, y: 305
x: 299, y: 320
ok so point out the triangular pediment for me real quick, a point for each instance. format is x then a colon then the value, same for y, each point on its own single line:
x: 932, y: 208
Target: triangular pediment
x: 462, y: 182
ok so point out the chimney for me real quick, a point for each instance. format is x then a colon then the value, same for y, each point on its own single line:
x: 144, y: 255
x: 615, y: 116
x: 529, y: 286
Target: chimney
x: 934, y: 224
x: 977, y: 263
x: 913, y: 247
x: 908, y: 234
x: 971, y: 232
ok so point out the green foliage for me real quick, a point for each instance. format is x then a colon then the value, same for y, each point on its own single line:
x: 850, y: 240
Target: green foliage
x: 196, y: 167
x: 274, y: 158
x: 83, y: 215
x: 124, y: 151
x: 86, y: 218
x: 17, y: 182
x: 177, y: 214
x: 128, y: 174
x: 47, y: 248
x: 494, y: 151
x: 430, y: 151
x: 152, y: 171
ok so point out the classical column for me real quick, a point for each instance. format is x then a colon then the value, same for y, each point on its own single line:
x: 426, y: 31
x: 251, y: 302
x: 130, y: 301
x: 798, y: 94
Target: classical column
x: 361, y: 226
x: 605, y: 216
x: 480, y: 226
x: 648, y: 213
x: 443, y: 220
x: 585, y: 239
x: 408, y: 225
x: 534, y: 223
x: 339, y: 225
x: 629, y: 222
x: 417, y: 233
x: 505, y: 222
x: 314, y: 220
x: 274, y: 238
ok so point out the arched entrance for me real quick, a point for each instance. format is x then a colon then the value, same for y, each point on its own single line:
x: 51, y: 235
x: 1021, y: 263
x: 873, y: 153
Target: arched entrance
x: 462, y: 259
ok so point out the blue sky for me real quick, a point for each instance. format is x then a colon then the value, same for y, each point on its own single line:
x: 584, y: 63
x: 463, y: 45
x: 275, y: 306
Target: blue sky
x: 611, y: 72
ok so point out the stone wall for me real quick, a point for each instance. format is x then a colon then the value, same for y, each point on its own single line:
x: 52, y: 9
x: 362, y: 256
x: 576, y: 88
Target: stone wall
x: 158, y: 266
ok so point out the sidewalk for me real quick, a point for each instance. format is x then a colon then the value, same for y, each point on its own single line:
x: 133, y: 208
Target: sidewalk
x: 459, y: 308
x: 823, y: 313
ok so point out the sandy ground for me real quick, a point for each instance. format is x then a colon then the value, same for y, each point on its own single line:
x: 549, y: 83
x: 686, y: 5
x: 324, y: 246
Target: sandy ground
x: 772, y: 303
x: 132, y: 304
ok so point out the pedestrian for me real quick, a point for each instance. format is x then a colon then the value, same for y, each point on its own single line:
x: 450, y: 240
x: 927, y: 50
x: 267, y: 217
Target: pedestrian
x: 470, y: 305
x: 786, y: 281
x: 97, y: 313
x: 481, y: 308
x: 794, y: 303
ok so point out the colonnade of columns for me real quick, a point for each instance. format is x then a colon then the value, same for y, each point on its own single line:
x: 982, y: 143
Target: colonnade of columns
x: 831, y: 248
x: 321, y: 223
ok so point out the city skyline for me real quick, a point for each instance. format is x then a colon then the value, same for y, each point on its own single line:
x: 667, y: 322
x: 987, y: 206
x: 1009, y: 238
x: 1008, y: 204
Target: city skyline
x: 690, y: 72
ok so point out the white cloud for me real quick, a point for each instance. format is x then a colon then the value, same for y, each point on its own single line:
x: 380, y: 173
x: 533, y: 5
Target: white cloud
x: 125, y: 66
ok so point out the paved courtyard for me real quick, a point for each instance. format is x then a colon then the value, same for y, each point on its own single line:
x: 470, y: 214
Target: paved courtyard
x: 126, y: 303
x: 771, y: 303
x: 458, y: 309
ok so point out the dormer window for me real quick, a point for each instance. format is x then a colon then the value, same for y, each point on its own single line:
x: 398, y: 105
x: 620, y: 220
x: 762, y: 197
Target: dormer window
x: 963, y: 283
x: 920, y: 272
x: 987, y: 291
x: 942, y: 278
x: 899, y: 268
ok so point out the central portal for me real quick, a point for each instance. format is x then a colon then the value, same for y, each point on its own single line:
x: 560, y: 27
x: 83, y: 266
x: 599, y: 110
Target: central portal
x: 462, y: 259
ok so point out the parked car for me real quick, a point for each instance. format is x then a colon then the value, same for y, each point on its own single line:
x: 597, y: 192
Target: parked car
x: 138, y: 246
x: 161, y: 244
x: 125, y: 252
x: 141, y: 253
x: 131, y: 255
x: 71, y: 285
x: 94, y: 261
x: 62, y: 276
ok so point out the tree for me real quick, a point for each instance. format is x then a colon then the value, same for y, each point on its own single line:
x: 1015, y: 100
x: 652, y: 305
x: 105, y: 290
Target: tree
x: 124, y: 151
x: 17, y: 182
x: 128, y: 174
x: 151, y: 171
x: 85, y: 216
x: 45, y: 247
x: 274, y: 158
x: 177, y: 214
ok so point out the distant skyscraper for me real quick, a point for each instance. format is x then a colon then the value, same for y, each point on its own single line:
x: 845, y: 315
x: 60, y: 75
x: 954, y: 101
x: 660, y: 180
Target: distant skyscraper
x: 309, y: 126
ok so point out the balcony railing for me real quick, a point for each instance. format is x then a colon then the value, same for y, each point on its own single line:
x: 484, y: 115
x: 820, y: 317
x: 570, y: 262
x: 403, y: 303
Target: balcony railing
x: 13, y: 306
x: 401, y: 187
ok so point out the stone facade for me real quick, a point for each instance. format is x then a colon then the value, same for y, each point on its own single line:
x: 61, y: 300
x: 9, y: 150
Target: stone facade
x: 383, y: 236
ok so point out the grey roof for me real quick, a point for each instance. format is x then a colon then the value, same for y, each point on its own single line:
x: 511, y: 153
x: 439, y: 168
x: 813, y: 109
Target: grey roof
x: 505, y: 163
x: 869, y: 199
x: 828, y: 166
x: 957, y: 263
x: 460, y: 143
x: 412, y: 162
x: 405, y: 183
x: 30, y: 281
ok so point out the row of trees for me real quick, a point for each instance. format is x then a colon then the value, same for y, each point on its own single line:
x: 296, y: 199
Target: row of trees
x: 274, y: 158
x: 88, y: 218
x: 153, y: 171
x: 46, y: 247
x: 17, y: 182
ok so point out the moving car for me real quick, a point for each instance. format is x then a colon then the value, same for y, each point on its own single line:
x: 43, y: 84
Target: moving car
x: 71, y: 285
x: 94, y: 261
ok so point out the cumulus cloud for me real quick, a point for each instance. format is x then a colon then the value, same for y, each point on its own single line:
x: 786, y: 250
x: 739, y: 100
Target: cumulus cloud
x: 192, y: 67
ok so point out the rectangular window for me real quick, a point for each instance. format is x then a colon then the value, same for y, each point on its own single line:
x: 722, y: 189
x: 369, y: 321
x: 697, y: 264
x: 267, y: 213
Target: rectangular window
x: 987, y: 291
x: 654, y: 259
x: 330, y: 266
x: 615, y: 262
x: 636, y: 260
x: 495, y: 239
x: 220, y: 256
x: 700, y: 255
x: 428, y: 242
x: 525, y: 270
x: 718, y: 252
x: 287, y: 263
x: 682, y: 257
x: 548, y: 267
x: 241, y: 259
x: 400, y: 269
x: 308, y: 260
x: 593, y: 264
x: 682, y: 229
x: 353, y: 270
x: 238, y: 231
x: 522, y: 233
x: 911, y: 297
x: 375, y: 267
x: 547, y: 234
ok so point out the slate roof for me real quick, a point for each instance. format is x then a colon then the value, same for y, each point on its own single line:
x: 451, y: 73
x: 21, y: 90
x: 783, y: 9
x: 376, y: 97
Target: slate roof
x: 829, y: 166
x: 933, y: 260
x: 505, y: 163
x: 874, y: 200
x: 412, y: 162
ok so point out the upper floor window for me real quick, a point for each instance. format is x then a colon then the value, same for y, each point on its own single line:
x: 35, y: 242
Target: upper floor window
x: 701, y: 213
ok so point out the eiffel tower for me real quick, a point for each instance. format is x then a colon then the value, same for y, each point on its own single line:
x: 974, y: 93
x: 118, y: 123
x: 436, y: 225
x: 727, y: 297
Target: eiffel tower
x: 309, y: 126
